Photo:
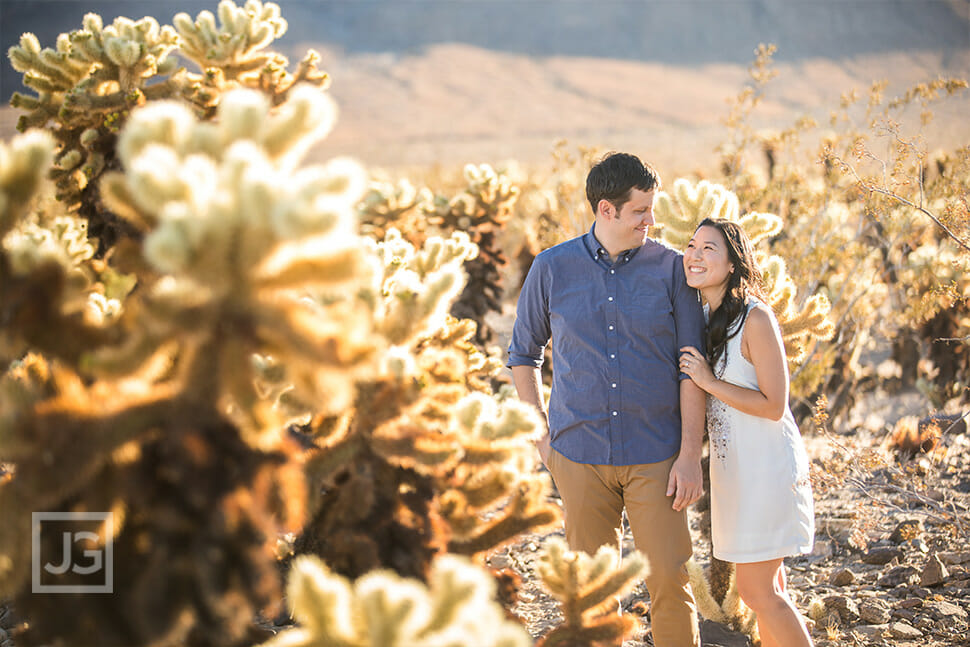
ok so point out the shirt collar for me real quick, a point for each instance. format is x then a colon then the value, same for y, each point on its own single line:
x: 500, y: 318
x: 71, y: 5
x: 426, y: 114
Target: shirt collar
x: 598, y: 252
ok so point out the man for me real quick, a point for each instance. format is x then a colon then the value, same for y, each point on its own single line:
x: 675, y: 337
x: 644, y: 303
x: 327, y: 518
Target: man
x: 624, y: 426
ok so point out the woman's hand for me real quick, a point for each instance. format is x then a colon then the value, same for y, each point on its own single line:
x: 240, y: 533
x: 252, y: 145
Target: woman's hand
x: 694, y: 364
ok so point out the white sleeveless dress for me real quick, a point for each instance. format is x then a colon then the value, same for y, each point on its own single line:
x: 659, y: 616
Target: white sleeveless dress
x: 761, y: 496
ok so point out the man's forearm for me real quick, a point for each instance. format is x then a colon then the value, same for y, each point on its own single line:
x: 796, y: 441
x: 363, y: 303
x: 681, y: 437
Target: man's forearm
x: 528, y: 385
x: 693, y: 408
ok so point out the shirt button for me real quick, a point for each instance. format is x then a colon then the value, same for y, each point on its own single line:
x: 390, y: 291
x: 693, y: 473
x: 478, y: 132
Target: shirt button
x: 612, y: 355
x: 611, y: 327
x: 613, y: 385
x: 614, y: 413
x: 612, y: 271
x: 609, y: 299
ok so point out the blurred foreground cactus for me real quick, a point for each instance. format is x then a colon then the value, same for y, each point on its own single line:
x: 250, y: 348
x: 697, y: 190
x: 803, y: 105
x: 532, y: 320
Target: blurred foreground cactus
x: 242, y: 365
x: 381, y: 609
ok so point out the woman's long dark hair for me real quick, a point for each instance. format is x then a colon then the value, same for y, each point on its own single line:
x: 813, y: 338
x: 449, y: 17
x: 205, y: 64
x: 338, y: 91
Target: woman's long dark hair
x: 727, y: 321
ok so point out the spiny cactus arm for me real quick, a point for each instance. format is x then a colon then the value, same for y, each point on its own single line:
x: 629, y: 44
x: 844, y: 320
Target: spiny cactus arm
x: 232, y: 46
x: 413, y: 445
x: 322, y: 602
x: 384, y: 610
x: 701, y: 587
x: 812, y: 320
x: 600, y: 632
x: 759, y: 225
x: 527, y: 510
x: 23, y: 166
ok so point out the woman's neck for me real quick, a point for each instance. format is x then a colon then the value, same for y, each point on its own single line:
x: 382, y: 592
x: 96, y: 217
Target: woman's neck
x: 714, y: 296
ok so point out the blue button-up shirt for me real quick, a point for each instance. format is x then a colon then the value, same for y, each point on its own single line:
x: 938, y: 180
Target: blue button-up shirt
x: 616, y: 330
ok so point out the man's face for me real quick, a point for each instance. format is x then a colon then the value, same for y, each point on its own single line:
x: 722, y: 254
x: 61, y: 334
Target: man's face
x: 631, y: 223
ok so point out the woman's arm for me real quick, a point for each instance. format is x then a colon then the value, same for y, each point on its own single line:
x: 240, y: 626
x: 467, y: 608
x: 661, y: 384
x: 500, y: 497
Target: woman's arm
x: 766, y: 352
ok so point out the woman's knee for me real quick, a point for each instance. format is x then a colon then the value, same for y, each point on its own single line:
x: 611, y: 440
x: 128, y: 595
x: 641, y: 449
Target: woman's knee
x: 759, y: 592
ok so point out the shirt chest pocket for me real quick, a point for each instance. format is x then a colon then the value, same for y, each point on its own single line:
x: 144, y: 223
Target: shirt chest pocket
x: 648, y: 311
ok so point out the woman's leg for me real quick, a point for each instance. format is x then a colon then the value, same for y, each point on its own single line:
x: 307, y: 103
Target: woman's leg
x: 762, y: 587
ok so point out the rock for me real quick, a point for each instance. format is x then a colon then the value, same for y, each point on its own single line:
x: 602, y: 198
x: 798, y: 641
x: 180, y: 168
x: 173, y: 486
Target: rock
x: 934, y: 573
x: 874, y: 612
x: 910, y: 603
x: 899, y: 575
x: 904, y: 614
x: 846, y: 608
x: 714, y: 634
x: 870, y: 631
x: 842, y: 577
x: 822, y: 549
x: 953, y: 558
x: 881, y: 556
x: 904, y: 631
x: 942, y: 610
x: 907, y: 530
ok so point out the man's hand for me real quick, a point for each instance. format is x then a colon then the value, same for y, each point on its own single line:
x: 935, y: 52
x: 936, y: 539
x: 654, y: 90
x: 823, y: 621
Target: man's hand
x: 545, y: 449
x: 685, y: 483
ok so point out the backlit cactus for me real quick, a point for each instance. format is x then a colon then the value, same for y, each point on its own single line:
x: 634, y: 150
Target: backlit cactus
x: 716, y: 593
x: 231, y: 54
x: 456, y: 607
x: 95, y: 76
x: 587, y: 588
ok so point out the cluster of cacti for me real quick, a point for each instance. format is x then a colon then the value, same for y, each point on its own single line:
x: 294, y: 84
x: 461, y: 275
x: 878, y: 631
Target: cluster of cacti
x: 256, y: 304
x: 482, y: 209
x: 427, y: 423
x: 456, y: 607
x: 89, y: 83
x: 588, y: 588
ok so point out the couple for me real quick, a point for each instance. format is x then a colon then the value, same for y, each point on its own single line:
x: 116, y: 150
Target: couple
x: 631, y: 386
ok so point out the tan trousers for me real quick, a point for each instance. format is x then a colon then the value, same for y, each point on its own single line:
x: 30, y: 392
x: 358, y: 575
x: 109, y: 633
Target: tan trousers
x: 593, y: 498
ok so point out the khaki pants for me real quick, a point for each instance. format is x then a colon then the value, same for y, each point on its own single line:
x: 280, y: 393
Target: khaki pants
x: 593, y: 498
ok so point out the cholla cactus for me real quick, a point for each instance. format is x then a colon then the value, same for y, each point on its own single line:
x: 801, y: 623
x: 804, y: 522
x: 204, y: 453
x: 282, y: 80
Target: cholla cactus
x: 413, y: 468
x: 237, y: 231
x: 87, y: 85
x: 95, y: 76
x: 398, y: 206
x: 718, y: 600
x: 680, y: 214
x: 231, y: 54
x: 22, y: 166
x: 481, y: 210
x: 381, y: 609
x: 587, y: 588
x: 799, y: 325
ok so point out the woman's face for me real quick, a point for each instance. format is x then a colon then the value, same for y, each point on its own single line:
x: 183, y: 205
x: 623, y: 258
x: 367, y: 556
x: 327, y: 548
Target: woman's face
x: 706, y: 261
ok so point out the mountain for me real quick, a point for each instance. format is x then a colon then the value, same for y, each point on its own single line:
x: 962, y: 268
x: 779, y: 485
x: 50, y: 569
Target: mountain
x: 422, y: 81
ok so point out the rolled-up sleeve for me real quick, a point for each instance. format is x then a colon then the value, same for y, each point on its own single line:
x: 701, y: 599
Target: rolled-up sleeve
x: 688, y: 313
x: 531, y: 331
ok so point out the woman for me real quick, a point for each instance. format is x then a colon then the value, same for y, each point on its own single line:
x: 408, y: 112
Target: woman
x: 761, y: 498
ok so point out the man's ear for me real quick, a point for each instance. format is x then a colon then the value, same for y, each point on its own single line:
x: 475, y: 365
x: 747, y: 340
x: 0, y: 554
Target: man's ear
x: 605, y: 208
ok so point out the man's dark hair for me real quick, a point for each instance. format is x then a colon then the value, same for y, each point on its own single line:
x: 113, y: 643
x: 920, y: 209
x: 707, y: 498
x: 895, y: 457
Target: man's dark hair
x: 615, y: 176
